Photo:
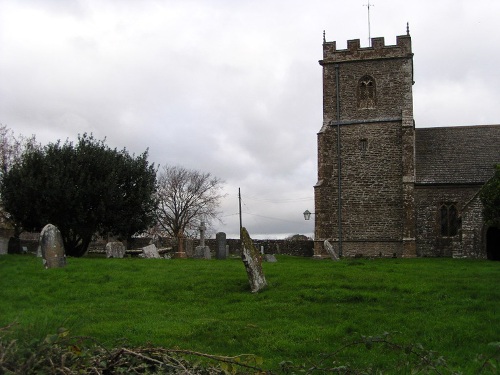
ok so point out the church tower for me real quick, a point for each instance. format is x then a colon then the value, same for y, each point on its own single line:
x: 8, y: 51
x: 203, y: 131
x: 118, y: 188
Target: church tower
x: 364, y: 196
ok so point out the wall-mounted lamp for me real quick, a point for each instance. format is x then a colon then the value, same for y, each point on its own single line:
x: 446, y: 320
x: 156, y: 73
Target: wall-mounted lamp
x: 307, y: 214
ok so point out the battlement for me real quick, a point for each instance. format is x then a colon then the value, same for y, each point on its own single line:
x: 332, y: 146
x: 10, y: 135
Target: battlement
x: 378, y: 50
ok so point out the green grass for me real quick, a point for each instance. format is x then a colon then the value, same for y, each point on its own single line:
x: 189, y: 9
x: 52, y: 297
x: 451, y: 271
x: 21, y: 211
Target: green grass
x: 311, y: 307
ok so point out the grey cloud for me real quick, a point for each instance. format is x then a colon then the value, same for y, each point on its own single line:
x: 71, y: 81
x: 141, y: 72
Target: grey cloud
x: 226, y: 86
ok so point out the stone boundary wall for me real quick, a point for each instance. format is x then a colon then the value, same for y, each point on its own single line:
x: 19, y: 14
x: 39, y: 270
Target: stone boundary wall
x: 303, y: 248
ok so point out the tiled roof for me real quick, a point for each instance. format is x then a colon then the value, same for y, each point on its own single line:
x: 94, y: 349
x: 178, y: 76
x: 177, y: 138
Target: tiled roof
x: 456, y: 155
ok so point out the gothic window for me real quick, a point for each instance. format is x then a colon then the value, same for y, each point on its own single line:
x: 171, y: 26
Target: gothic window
x: 366, y: 93
x: 450, y: 222
x: 363, y: 146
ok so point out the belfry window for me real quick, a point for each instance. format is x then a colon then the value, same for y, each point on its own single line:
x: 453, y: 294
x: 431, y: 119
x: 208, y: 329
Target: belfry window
x: 450, y: 222
x: 366, y: 93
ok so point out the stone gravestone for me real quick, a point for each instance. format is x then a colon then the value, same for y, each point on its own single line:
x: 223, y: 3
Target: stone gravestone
x: 253, y: 263
x: 150, y: 251
x: 270, y: 258
x: 202, y: 251
x: 4, y: 245
x: 330, y: 250
x: 115, y: 249
x: 52, y: 247
x: 189, y: 247
x: 221, y: 252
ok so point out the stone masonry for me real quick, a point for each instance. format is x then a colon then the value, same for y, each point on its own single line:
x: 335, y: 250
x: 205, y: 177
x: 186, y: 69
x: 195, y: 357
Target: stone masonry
x: 382, y: 184
x: 372, y: 163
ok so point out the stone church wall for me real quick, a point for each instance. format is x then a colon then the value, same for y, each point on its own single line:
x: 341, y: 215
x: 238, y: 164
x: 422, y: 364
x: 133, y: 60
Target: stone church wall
x: 468, y: 241
x: 372, y: 198
x: 372, y: 140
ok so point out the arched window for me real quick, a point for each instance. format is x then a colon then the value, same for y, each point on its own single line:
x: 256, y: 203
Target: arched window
x: 366, y: 93
x: 450, y: 222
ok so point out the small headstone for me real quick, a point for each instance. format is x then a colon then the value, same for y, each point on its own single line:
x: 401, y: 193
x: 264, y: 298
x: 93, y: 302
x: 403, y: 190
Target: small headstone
x: 4, y: 245
x: 330, y: 250
x: 52, y: 247
x: 115, y: 249
x: 221, y: 252
x: 202, y: 252
x: 270, y: 258
x: 150, y: 251
x: 189, y: 248
x: 253, y: 263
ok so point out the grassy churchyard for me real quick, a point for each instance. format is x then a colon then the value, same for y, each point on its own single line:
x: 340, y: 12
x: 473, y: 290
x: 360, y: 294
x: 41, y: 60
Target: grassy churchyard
x: 310, y: 311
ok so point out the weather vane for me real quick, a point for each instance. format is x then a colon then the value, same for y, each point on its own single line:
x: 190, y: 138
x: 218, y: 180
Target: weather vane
x: 369, y: 31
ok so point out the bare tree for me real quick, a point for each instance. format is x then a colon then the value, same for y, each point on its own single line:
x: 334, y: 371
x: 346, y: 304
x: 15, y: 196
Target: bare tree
x: 12, y: 148
x: 185, y: 198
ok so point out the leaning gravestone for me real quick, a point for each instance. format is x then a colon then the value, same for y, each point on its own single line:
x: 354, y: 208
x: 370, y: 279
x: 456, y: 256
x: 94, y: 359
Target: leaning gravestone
x: 150, y: 251
x: 115, y: 249
x: 253, y: 263
x: 330, y: 250
x: 52, y: 247
x: 270, y: 258
x: 221, y: 252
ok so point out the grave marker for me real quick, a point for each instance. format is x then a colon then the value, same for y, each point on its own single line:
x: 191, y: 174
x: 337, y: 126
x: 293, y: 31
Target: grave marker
x: 202, y: 251
x: 4, y: 245
x: 221, y: 252
x: 52, y: 247
x: 150, y: 251
x: 115, y: 249
x: 253, y: 263
x: 330, y: 250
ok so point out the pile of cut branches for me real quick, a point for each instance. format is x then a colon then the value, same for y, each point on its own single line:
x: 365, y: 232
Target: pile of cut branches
x: 60, y: 353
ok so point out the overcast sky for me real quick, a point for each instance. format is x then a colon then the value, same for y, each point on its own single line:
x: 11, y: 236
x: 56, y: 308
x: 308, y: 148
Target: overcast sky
x: 230, y: 87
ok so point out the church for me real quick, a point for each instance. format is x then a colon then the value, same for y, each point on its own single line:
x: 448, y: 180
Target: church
x: 386, y: 188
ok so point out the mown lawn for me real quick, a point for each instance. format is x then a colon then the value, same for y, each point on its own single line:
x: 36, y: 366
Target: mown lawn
x: 311, y: 307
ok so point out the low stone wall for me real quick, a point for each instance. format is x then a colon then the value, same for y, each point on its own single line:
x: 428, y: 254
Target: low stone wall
x: 303, y: 248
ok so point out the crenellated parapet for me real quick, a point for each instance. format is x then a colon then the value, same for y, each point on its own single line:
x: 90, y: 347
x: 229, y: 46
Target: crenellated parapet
x: 377, y: 50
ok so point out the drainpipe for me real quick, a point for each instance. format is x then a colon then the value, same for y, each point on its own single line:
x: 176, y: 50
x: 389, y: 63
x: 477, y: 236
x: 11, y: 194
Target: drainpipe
x: 339, y: 161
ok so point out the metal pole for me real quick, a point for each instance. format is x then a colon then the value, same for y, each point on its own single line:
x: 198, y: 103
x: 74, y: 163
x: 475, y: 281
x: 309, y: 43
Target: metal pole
x: 369, y: 27
x: 339, y: 161
x: 239, y: 199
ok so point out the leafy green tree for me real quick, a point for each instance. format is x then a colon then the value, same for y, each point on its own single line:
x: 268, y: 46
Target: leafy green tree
x: 298, y: 237
x: 490, y: 197
x: 84, y: 189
